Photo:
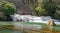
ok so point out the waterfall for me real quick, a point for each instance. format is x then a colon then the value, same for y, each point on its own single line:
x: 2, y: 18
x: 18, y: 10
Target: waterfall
x: 29, y: 18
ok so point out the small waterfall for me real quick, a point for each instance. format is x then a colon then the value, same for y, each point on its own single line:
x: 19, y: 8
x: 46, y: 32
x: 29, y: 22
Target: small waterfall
x: 24, y: 18
x: 29, y: 18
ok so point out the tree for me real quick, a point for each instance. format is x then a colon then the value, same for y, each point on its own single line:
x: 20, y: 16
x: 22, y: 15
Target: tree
x: 57, y: 14
x: 46, y: 8
x: 50, y: 7
x: 8, y: 9
x: 40, y: 10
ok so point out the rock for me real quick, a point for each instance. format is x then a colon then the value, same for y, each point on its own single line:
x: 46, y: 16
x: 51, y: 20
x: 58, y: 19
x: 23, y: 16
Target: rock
x: 24, y: 7
x: 51, y: 22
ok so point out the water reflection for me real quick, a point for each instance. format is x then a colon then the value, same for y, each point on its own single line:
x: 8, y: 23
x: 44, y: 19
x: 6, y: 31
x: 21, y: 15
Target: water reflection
x: 29, y: 28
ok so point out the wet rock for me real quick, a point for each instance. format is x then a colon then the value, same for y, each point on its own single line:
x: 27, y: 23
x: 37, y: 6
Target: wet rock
x: 51, y: 22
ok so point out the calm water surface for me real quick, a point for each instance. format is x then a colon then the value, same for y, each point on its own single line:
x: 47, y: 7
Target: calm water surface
x: 29, y: 28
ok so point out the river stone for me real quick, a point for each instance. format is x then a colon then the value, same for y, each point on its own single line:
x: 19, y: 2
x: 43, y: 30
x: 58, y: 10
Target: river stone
x: 51, y: 22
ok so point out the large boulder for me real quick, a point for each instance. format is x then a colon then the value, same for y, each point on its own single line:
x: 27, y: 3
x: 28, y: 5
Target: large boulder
x: 51, y: 22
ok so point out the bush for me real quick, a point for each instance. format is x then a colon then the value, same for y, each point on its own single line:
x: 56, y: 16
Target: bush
x: 2, y: 17
x: 46, y: 8
x: 41, y: 12
x: 8, y: 9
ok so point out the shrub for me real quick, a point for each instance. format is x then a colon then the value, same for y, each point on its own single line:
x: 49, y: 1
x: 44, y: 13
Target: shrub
x: 2, y: 17
x: 8, y: 9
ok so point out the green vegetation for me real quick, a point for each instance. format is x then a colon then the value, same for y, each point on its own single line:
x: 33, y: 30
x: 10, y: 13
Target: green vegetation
x: 42, y: 8
x: 2, y: 18
x: 8, y: 9
x: 46, y: 8
x: 57, y: 14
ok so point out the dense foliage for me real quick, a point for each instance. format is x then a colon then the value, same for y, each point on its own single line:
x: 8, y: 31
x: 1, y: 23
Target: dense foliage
x: 42, y: 8
x: 8, y: 9
x: 48, y: 8
x: 57, y: 14
x: 45, y: 8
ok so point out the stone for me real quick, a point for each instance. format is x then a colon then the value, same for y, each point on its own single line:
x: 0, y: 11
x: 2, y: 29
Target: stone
x: 51, y: 22
x: 24, y: 7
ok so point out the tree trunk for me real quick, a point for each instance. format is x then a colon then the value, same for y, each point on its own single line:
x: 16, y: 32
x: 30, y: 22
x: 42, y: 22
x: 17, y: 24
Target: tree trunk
x: 8, y: 18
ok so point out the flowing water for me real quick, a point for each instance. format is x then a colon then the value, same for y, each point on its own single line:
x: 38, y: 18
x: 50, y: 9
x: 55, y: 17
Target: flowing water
x: 29, y: 28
